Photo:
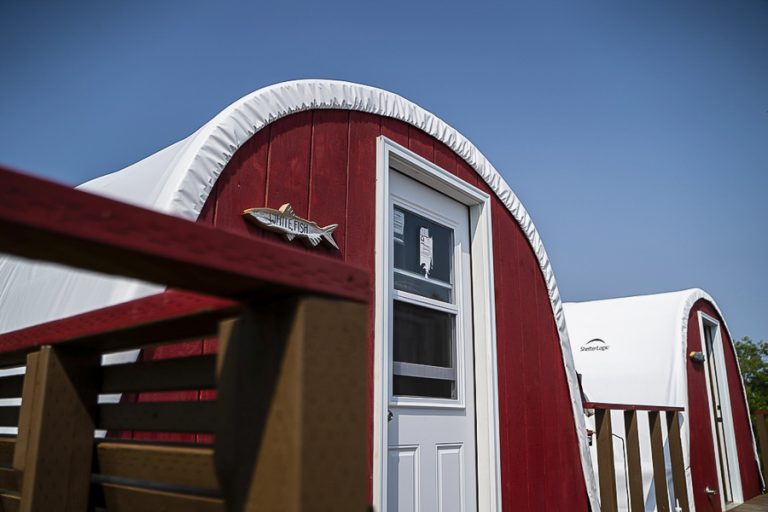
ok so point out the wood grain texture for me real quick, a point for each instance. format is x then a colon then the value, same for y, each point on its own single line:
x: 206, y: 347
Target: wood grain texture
x: 396, y: 131
x: 532, y: 386
x: 421, y: 143
x: 634, y: 466
x: 171, y: 465
x: 328, y: 180
x: 9, y: 502
x: 509, y: 339
x: 122, y: 498
x: 164, y: 317
x: 57, y: 456
x: 677, y: 461
x: 757, y: 504
x: 29, y: 396
x: 309, y: 356
x: 762, y: 437
x: 243, y: 186
x: 605, y: 461
x: 290, y: 150
x: 96, y: 233
x: 657, y: 457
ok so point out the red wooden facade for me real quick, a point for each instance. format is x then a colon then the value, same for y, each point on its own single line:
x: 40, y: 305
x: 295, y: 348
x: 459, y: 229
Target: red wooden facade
x: 703, y: 464
x: 324, y: 163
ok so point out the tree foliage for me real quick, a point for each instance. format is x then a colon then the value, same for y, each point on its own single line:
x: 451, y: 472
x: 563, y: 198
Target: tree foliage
x: 753, y: 359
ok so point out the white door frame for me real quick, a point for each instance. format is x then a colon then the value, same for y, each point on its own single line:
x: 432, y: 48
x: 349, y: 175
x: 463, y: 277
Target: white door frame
x: 727, y: 413
x: 392, y: 155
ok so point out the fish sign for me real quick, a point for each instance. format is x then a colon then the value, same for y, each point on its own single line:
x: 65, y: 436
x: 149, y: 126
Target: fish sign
x: 285, y: 221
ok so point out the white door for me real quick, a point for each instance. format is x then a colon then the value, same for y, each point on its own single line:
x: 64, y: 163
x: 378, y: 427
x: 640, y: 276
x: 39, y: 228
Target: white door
x: 431, y: 429
x: 722, y: 418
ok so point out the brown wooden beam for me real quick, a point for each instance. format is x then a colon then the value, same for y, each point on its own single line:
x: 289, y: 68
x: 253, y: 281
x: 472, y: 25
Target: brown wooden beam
x: 605, y: 461
x: 43, y: 220
x: 659, y: 468
x: 184, y: 466
x: 762, y: 437
x: 677, y: 461
x: 634, y: 466
x: 123, y: 498
x: 300, y: 442
x: 54, y: 451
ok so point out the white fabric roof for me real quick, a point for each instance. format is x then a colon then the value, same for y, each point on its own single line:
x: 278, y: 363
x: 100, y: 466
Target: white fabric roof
x: 645, y: 346
x: 634, y: 350
x: 178, y: 179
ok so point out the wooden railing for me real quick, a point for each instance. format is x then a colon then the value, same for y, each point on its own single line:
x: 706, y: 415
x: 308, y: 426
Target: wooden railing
x: 283, y: 424
x: 606, y: 461
x: 762, y: 437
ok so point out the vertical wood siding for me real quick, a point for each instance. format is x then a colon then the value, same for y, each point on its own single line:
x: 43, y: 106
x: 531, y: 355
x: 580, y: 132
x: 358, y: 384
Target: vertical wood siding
x: 703, y: 465
x: 324, y: 163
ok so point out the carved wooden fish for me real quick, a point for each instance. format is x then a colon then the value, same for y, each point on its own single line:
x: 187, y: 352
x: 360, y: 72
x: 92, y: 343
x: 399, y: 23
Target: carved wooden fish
x: 286, y: 221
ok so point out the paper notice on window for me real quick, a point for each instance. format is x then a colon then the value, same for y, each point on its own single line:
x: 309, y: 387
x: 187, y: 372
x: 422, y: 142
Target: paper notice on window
x: 399, y: 225
x: 425, y: 251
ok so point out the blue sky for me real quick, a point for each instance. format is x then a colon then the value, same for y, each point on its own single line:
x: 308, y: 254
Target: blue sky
x: 636, y: 133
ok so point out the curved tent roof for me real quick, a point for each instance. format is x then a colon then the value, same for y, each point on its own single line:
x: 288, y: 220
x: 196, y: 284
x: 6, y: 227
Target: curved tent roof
x: 641, y: 355
x: 178, y: 179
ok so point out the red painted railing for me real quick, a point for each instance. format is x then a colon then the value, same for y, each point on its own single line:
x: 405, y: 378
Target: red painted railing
x: 279, y: 313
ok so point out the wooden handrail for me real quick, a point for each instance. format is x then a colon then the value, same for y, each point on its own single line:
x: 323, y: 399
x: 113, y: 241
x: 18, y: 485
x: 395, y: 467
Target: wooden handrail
x: 95, y: 233
x: 631, y: 407
x: 299, y: 337
x: 606, y: 461
x: 172, y: 315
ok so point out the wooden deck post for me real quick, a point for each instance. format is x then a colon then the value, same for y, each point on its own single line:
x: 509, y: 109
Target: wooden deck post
x: 293, y: 408
x: 659, y: 468
x: 605, y: 461
x: 56, y: 425
x: 678, y: 464
x: 634, y: 468
x: 762, y: 437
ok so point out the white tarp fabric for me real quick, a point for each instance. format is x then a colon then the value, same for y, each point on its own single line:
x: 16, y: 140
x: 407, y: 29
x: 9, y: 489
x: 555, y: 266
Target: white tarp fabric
x: 633, y: 350
x: 178, y: 179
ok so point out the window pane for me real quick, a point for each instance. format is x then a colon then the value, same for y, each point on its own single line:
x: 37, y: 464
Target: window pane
x: 423, y: 256
x: 414, y: 386
x: 422, y: 336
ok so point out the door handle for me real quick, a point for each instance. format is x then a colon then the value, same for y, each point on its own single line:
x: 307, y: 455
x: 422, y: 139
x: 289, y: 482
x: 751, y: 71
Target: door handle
x: 390, y: 415
x: 710, y: 492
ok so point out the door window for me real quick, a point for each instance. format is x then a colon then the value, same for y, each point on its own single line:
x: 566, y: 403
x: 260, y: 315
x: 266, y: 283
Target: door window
x: 424, y: 331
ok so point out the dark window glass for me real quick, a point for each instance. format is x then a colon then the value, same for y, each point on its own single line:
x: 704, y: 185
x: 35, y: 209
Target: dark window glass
x: 423, y: 256
x: 415, y: 386
x: 423, y: 336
